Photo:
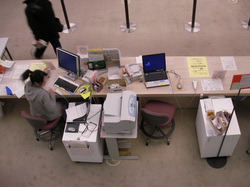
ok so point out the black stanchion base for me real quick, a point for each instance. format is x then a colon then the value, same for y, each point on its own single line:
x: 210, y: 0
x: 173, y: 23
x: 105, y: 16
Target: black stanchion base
x: 189, y: 27
x: 72, y: 28
x: 217, y: 162
x: 245, y: 25
x: 132, y: 27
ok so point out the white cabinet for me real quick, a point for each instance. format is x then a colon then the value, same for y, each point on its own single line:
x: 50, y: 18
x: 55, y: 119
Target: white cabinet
x: 209, y: 142
x: 89, y: 147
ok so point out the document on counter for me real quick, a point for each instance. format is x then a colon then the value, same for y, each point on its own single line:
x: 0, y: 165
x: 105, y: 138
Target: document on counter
x: 95, y: 55
x: 211, y: 84
x: 8, y: 73
x: 7, y: 63
x: 228, y: 63
x: 1, y: 77
x: 2, y: 89
x: 38, y: 65
x: 240, y: 81
x: 17, y: 87
x: 138, y: 59
x: 18, y: 71
x: 197, y: 67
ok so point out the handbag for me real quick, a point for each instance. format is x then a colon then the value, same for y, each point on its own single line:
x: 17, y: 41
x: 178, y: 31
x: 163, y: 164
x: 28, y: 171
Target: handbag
x: 59, y: 25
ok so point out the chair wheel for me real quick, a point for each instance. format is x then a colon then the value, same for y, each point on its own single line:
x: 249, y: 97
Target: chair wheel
x: 50, y: 147
x: 168, y: 142
x: 147, y: 142
x: 37, y: 139
x: 248, y: 151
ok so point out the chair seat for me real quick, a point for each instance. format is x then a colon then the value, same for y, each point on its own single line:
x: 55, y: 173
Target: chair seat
x: 161, y: 109
x: 51, y: 124
x: 157, y: 120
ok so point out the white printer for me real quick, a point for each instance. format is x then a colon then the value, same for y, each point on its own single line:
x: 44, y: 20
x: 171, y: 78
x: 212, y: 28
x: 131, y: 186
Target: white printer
x: 120, y: 113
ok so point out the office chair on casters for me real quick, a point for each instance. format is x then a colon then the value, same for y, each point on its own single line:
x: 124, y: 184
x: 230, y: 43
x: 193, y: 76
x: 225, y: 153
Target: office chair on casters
x: 44, y: 130
x: 157, y: 120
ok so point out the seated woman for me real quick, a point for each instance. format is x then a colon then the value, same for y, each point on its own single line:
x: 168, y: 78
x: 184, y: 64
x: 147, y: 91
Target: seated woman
x: 42, y: 102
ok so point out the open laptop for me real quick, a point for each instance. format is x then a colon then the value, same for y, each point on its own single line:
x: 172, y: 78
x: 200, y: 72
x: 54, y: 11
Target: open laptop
x: 154, y: 67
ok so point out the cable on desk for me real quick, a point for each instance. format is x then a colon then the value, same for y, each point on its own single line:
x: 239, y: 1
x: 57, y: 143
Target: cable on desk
x: 182, y: 110
x: 177, y: 75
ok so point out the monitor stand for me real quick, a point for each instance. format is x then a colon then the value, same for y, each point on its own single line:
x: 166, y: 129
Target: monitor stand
x: 71, y: 76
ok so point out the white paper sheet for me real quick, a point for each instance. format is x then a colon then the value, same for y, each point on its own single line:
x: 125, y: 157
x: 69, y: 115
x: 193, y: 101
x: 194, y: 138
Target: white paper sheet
x: 17, y: 87
x: 3, y: 89
x: 211, y: 84
x: 138, y: 59
x: 112, y: 104
x: 7, y: 63
x: 76, y: 112
x: 1, y: 77
x: 18, y: 71
x: 228, y: 63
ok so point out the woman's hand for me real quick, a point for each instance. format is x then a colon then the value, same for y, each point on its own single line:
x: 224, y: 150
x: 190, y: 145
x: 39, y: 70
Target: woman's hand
x: 51, y: 91
x: 46, y: 70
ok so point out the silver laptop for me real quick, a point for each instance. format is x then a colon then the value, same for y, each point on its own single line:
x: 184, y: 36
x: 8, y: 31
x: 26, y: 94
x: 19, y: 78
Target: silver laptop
x: 154, y: 67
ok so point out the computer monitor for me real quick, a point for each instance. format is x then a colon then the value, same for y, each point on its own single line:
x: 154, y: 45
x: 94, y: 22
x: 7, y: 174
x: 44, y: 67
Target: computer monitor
x: 69, y: 62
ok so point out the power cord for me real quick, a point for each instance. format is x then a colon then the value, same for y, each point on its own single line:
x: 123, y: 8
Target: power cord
x: 177, y: 75
x: 176, y: 99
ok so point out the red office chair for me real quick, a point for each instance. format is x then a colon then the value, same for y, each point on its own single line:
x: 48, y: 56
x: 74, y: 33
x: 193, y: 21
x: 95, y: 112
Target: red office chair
x: 157, y: 120
x: 44, y: 130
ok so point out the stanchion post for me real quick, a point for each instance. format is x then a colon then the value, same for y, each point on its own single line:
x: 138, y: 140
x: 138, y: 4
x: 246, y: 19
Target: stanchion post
x: 131, y: 27
x: 192, y: 26
x: 126, y: 12
x: 68, y: 26
x: 65, y: 14
x: 219, y: 162
x: 194, y: 12
x: 235, y: 103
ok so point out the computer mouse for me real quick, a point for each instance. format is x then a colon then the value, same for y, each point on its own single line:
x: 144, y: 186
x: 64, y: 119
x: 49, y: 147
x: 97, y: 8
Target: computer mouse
x: 82, y: 90
x: 179, y: 86
x: 71, y: 129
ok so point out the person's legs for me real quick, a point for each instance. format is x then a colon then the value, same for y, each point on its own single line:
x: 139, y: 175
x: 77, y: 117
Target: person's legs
x: 55, y: 43
x: 39, y: 52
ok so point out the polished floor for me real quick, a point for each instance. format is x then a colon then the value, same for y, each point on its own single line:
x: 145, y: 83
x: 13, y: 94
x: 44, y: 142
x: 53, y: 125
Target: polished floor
x: 160, y: 27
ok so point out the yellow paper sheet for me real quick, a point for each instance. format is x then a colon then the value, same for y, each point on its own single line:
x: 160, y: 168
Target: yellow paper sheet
x: 87, y: 93
x: 40, y: 65
x: 197, y: 67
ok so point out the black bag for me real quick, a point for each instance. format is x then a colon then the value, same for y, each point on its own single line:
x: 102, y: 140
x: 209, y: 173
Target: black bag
x: 59, y: 25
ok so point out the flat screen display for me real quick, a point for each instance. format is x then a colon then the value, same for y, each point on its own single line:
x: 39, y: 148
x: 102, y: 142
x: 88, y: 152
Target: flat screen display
x: 68, y: 61
x: 154, y: 62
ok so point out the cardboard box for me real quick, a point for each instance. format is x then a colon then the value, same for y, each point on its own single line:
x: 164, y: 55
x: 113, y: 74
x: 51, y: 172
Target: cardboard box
x: 116, y: 85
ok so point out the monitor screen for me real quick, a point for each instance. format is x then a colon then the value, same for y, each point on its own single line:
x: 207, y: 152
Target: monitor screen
x: 69, y: 62
x: 154, y: 62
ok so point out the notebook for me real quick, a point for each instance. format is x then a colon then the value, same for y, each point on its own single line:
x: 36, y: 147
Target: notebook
x: 154, y: 67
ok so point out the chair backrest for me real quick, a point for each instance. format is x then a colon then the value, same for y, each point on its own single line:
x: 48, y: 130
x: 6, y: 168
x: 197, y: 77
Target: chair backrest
x: 153, y: 118
x: 35, y: 122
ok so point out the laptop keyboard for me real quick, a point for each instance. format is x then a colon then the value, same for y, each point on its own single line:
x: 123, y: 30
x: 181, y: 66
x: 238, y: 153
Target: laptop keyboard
x: 66, y: 85
x: 155, y: 76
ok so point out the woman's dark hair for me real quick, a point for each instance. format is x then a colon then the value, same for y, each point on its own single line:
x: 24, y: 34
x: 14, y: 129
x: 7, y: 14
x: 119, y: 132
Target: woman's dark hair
x: 35, y: 76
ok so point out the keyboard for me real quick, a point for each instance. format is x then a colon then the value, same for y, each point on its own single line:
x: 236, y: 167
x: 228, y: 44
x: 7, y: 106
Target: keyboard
x: 156, y: 76
x: 66, y: 85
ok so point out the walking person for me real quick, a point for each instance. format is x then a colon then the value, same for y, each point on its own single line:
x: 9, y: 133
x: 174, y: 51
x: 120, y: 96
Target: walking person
x: 44, y: 25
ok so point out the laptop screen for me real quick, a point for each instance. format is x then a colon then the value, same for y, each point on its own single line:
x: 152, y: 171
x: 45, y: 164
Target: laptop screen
x: 154, y: 62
